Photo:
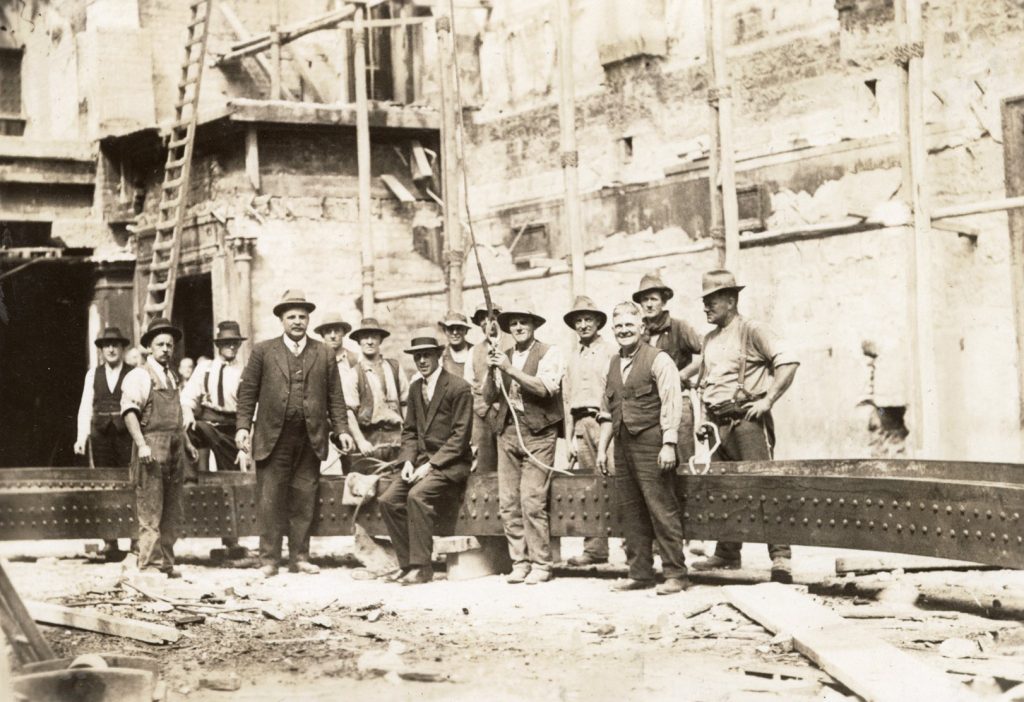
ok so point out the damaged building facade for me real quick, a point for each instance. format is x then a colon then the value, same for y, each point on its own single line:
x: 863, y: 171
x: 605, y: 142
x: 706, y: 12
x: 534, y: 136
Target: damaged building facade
x: 273, y: 199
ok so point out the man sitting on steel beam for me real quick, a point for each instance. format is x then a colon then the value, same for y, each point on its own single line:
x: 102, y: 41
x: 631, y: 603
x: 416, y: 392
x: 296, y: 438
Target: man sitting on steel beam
x: 744, y: 371
x: 640, y: 410
x: 435, y: 459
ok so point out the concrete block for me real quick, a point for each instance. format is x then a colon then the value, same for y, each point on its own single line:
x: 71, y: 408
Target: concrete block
x: 490, y: 559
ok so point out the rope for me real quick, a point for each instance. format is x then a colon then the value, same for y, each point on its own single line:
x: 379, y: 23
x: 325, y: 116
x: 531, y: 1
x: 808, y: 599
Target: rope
x: 460, y: 147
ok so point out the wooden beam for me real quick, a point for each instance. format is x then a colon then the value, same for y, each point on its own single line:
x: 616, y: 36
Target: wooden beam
x: 34, y: 648
x: 262, y: 42
x: 1013, y: 158
x: 298, y: 56
x: 363, y: 158
x: 240, y: 32
x: 720, y: 99
x: 283, y: 112
x: 451, y: 172
x: 1000, y: 205
x: 397, y: 189
x: 252, y: 157
x: 862, y: 565
x: 570, y: 153
x: 870, y: 667
x: 78, y: 618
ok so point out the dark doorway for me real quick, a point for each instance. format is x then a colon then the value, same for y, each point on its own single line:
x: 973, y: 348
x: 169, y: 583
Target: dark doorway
x: 43, y: 360
x: 193, y: 314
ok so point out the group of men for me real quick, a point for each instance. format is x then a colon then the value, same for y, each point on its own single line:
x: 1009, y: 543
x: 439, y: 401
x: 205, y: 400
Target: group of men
x: 301, y: 406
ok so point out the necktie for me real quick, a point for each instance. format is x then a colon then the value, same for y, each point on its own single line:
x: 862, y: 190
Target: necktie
x: 220, y: 387
x: 296, y: 350
x: 426, y: 392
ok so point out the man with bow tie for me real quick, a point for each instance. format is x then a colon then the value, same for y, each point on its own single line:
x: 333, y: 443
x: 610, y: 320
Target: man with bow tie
x: 435, y: 457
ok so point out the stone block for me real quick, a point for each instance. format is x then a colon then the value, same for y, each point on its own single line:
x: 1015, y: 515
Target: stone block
x: 491, y: 558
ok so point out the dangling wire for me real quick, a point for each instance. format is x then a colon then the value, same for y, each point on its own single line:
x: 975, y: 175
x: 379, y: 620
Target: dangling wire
x: 491, y: 319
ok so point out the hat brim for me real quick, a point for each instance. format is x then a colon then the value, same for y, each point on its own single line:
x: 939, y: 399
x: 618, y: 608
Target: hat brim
x: 601, y: 316
x: 423, y: 347
x: 360, y: 333
x: 504, y: 317
x: 720, y: 288
x: 149, y: 335
x: 228, y: 339
x: 449, y: 323
x: 112, y: 340
x: 479, y: 316
x: 280, y: 307
x: 345, y: 327
x: 663, y: 289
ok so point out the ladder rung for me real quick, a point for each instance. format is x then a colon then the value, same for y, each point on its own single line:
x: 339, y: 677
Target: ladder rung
x: 170, y: 204
x: 177, y: 143
x: 158, y: 287
x: 197, y: 22
x: 182, y: 124
x: 175, y: 163
x: 159, y: 267
x: 172, y: 184
x: 156, y: 306
x: 163, y: 246
x: 165, y: 226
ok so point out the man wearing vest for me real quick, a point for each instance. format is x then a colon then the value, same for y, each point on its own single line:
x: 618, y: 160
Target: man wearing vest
x: 641, y: 407
x: 745, y: 370
x: 151, y: 407
x: 333, y: 331
x: 531, y: 374
x: 485, y: 441
x: 376, y: 395
x: 458, y: 350
x: 99, y: 413
x: 586, y: 372
x: 435, y: 459
x: 293, y: 382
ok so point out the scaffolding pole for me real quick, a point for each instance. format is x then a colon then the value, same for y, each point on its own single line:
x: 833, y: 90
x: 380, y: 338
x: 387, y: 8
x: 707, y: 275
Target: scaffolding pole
x: 722, y: 171
x: 570, y: 155
x: 363, y: 156
x: 450, y: 165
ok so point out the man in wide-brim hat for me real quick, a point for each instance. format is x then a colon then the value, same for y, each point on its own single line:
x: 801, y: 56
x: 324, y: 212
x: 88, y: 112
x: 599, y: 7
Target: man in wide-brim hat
x: 151, y: 408
x: 485, y: 441
x: 531, y: 378
x: 586, y: 372
x: 435, y: 459
x: 376, y: 397
x: 458, y: 350
x: 745, y: 368
x: 295, y: 382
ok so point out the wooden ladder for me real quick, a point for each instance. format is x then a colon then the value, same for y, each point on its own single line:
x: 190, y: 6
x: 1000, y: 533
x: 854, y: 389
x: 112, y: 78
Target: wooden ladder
x: 163, y: 265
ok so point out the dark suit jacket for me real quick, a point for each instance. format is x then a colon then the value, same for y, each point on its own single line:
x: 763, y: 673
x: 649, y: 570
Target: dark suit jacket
x: 440, y: 432
x: 264, y: 385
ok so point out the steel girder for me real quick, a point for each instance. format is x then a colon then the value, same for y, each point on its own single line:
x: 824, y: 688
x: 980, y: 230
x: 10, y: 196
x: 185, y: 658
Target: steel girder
x: 966, y: 511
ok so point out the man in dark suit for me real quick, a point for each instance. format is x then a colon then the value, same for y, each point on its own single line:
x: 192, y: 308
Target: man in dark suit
x: 435, y: 458
x: 294, y: 382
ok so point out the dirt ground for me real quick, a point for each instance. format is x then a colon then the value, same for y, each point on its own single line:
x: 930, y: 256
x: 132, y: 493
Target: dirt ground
x: 340, y: 634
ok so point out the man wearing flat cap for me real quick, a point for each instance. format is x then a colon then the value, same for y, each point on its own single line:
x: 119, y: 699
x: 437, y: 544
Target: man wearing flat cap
x: 151, y: 408
x: 435, y: 459
x: 485, y: 441
x: 458, y: 349
x: 294, y: 383
x: 586, y: 372
x: 527, y: 423
x: 745, y: 369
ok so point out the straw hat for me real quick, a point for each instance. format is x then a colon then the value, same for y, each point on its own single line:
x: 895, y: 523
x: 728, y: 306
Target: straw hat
x: 333, y: 320
x: 652, y: 282
x: 505, y: 317
x: 585, y: 304
x: 293, y: 298
x: 424, y: 340
x: 713, y: 281
x: 369, y: 326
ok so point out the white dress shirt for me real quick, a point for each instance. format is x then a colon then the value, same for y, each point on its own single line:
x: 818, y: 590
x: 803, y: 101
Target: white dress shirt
x: 137, y: 385
x: 89, y: 395
x: 201, y: 388
x: 550, y: 370
x: 430, y: 384
x: 296, y: 347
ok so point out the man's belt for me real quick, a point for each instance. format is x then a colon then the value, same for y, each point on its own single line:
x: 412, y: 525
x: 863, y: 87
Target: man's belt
x: 581, y: 412
x: 216, y: 416
x: 731, y: 410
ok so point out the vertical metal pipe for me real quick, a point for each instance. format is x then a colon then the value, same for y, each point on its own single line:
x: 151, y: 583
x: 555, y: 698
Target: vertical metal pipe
x: 363, y: 155
x: 723, y: 91
x: 716, y: 230
x: 570, y: 155
x: 450, y: 180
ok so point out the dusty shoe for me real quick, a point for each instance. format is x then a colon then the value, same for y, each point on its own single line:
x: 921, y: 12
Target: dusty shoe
x: 538, y: 576
x: 716, y: 563
x: 172, y: 573
x: 585, y: 560
x: 417, y: 576
x: 395, y: 575
x: 268, y: 571
x: 697, y: 548
x: 518, y: 574
x: 303, y: 567
x: 672, y: 585
x: 782, y: 571
x: 629, y: 584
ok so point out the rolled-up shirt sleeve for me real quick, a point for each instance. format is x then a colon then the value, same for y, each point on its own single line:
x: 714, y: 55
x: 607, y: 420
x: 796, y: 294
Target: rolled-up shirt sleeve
x: 551, y: 369
x: 666, y: 377
x: 770, y: 346
x: 85, y: 406
x: 135, y: 389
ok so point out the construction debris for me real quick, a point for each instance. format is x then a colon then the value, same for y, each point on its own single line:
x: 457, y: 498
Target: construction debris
x: 222, y: 681
x: 59, y: 615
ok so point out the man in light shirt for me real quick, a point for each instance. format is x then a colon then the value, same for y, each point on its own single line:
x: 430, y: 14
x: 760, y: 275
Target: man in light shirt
x: 333, y: 330
x: 640, y: 411
x: 458, y: 350
x: 484, y: 441
x: 531, y: 376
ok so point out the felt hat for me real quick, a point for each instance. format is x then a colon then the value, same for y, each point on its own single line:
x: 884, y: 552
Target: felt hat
x: 333, y: 320
x: 652, y: 282
x: 293, y: 298
x: 424, y: 340
x: 454, y: 319
x: 228, y: 330
x: 369, y: 326
x: 713, y: 281
x: 481, y: 312
x: 111, y: 335
x: 585, y: 304
x: 160, y: 325
x: 505, y: 317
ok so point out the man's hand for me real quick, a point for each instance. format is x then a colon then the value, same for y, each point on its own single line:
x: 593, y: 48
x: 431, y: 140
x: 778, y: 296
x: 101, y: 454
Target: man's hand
x: 79, y: 447
x: 497, y: 359
x: 188, y: 418
x: 407, y: 470
x: 346, y: 443
x: 572, y: 448
x: 759, y: 409
x: 421, y: 473
x: 365, y: 447
x: 242, y: 441
x: 602, y: 460
x: 667, y: 457
x: 145, y: 454
x: 242, y: 461
x: 191, y: 452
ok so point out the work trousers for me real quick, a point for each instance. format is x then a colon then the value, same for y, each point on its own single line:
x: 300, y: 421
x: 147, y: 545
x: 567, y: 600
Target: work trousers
x: 219, y: 438
x: 523, y: 491
x: 111, y: 448
x: 746, y: 441
x: 486, y: 443
x: 587, y: 431
x: 158, y: 500
x: 410, y: 513
x: 286, y: 482
x: 648, y: 504
x: 685, y: 443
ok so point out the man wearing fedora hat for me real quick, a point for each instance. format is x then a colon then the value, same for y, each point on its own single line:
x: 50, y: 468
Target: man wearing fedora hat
x: 293, y: 381
x: 485, y: 441
x: 333, y: 330
x: 435, y: 459
x: 745, y: 369
x: 531, y: 375
x: 151, y: 407
x: 586, y: 371
x: 458, y: 350
x: 376, y: 398
x: 99, y: 413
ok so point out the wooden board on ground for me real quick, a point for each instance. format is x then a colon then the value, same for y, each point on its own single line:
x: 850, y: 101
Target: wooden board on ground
x: 47, y: 613
x: 870, y: 667
x: 861, y: 565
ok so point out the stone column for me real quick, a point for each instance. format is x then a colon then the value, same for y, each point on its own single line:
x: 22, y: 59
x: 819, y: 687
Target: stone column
x: 242, y: 248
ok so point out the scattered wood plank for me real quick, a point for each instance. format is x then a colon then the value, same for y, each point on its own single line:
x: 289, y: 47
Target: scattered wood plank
x: 419, y: 166
x: 58, y: 615
x: 863, y: 565
x: 793, y: 672
x: 397, y: 189
x: 18, y: 625
x: 870, y: 667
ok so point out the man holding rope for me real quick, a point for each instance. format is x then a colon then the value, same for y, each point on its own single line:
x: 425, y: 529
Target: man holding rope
x: 527, y: 419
